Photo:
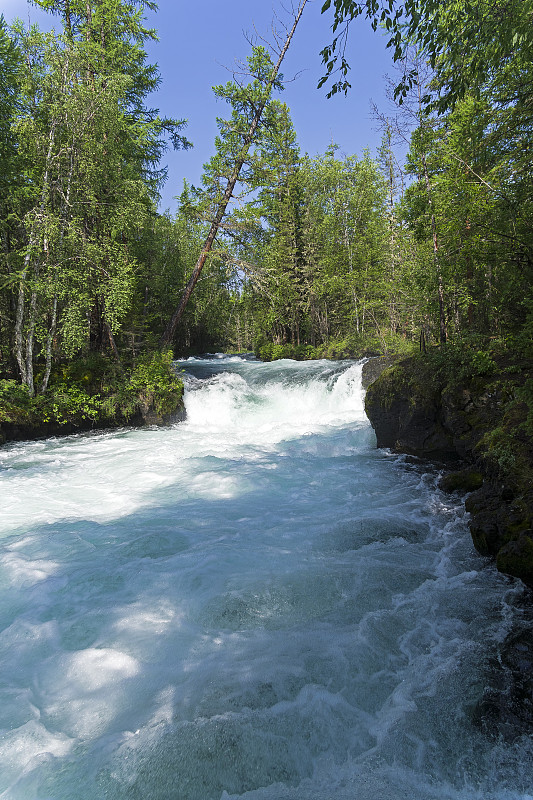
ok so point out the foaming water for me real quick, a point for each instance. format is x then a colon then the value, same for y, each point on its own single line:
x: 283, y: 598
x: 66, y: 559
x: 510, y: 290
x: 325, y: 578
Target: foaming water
x: 253, y: 604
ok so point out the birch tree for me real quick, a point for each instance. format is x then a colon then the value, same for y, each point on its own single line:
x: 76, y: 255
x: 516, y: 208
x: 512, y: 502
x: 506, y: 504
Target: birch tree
x: 91, y: 154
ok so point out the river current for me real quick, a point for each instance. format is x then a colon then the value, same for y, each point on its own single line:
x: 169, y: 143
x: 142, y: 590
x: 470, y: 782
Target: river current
x: 253, y: 604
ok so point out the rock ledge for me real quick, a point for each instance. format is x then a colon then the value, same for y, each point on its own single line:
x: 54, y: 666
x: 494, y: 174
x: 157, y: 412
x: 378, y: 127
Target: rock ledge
x: 473, y: 423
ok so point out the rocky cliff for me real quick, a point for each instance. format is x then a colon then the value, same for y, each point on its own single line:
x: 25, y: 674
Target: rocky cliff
x: 478, y: 420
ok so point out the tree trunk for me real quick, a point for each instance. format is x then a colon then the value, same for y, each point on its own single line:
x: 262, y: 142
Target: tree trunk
x: 49, y: 343
x: 53, y: 325
x: 19, y: 321
x: 25, y: 362
x: 442, y: 315
x: 30, y: 341
x: 113, y: 344
x: 168, y: 335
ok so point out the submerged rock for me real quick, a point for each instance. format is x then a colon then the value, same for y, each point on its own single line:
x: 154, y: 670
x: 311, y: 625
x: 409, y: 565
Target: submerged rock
x: 506, y: 708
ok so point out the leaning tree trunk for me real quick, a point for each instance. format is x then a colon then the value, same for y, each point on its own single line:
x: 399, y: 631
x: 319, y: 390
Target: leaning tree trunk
x: 168, y: 335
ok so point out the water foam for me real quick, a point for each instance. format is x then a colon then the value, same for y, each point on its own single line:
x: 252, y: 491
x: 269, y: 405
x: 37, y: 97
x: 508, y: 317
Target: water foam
x: 253, y: 604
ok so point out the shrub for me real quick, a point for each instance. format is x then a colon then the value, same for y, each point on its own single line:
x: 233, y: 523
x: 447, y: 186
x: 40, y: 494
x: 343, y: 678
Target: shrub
x: 15, y: 402
x: 95, y: 389
x: 152, y: 384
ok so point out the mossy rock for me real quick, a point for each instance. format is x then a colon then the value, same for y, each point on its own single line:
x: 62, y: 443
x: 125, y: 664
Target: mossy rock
x: 516, y: 557
x: 375, y: 366
x: 462, y: 481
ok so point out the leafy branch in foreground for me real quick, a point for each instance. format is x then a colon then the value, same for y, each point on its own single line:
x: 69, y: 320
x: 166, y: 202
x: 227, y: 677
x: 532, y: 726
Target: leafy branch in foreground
x: 465, y: 43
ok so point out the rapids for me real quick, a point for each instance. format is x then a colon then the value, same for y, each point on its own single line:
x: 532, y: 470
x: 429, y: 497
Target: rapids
x: 254, y: 604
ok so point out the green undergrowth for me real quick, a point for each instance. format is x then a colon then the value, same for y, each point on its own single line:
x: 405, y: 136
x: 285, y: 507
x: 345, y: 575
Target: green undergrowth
x: 500, y: 378
x: 336, y: 349
x: 94, y: 392
x: 496, y: 381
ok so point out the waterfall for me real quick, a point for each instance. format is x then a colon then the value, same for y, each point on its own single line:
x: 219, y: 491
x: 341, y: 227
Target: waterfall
x: 253, y: 604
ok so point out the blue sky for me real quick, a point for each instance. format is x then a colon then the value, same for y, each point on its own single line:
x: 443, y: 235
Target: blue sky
x: 199, y: 41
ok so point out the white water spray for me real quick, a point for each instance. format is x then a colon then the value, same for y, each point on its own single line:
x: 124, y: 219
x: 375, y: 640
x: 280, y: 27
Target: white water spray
x: 253, y: 604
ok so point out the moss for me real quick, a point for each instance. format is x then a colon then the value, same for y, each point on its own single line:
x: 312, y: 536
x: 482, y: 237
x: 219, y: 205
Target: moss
x: 516, y: 557
x: 483, y: 403
x: 462, y: 481
x: 480, y: 541
x: 409, y: 379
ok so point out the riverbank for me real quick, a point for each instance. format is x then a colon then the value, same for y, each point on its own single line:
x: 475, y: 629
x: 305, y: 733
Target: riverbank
x: 90, y: 394
x: 476, y: 416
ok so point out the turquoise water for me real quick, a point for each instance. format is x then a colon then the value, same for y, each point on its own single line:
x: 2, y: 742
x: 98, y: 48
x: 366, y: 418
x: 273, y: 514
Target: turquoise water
x: 255, y: 603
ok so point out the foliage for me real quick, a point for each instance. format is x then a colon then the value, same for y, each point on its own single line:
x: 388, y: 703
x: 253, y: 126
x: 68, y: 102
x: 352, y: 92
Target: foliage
x: 469, y: 205
x: 153, y: 384
x: 323, y: 256
x: 88, y: 178
x: 15, y: 402
x: 92, y: 392
x: 320, y: 252
x: 464, y: 42
x: 460, y: 361
x: 10, y: 65
x: 352, y: 346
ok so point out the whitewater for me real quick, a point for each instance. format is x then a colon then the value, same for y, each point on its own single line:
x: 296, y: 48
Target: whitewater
x: 252, y: 604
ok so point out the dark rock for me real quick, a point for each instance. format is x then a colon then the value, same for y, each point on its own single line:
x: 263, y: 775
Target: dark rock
x: 404, y: 425
x: 516, y: 557
x: 465, y: 480
x: 418, y: 411
x: 373, y: 368
x: 151, y: 417
x: 507, y: 495
x: 486, y: 525
x: 496, y: 522
x: 16, y: 432
x: 12, y: 432
x: 506, y: 708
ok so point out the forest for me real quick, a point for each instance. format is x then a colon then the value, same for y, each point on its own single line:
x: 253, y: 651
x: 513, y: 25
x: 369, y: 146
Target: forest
x: 326, y: 255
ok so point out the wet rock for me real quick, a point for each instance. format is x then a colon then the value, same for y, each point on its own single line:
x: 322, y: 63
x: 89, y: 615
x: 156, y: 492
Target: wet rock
x: 13, y: 432
x: 487, y: 522
x: 506, y: 708
x: 465, y: 480
x: 499, y: 526
x: 151, y: 416
x: 405, y: 423
x: 475, y: 420
x: 516, y: 557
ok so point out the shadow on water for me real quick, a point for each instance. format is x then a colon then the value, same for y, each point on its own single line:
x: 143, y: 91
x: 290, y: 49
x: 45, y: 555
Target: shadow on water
x: 234, y: 637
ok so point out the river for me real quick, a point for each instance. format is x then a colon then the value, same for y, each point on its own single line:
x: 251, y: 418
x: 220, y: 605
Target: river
x: 253, y: 604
